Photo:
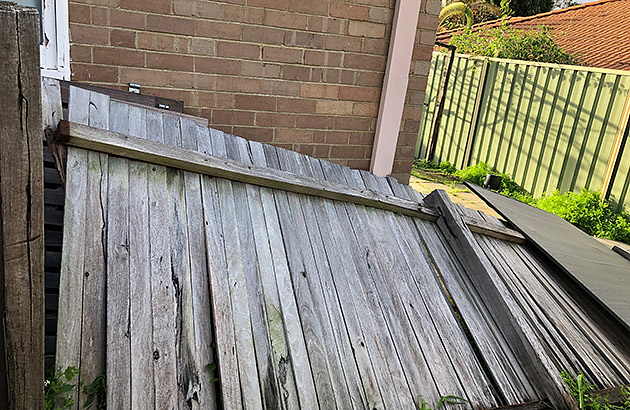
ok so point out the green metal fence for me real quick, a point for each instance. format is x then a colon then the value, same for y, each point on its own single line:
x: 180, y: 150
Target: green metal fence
x: 549, y: 126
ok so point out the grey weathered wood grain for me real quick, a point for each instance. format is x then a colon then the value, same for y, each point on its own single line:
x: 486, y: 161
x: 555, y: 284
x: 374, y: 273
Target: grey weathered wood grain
x: 138, y: 149
x: 360, y: 288
x: 141, y: 332
x: 384, y: 274
x: 140, y: 309
x: 118, y: 309
x: 520, y: 334
x: 553, y: 317
x: 580, y: 317
x: 238, y: 294
x: 295, y: 336
x: 93, y: 340
x: 52, y: 110
x: 342, y: 308
x: 182, y: 282
x: 308, y: 285
x: 202, y: 390
x: 237, y: 150
x: 272, y: 262
x: 220, y: 298
x: 163, y: 292
x: 71, y: 276
x: 302, y: 268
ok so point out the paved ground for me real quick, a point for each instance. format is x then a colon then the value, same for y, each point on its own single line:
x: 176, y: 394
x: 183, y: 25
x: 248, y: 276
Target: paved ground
x: 462, y: 195
x: 457, y: 192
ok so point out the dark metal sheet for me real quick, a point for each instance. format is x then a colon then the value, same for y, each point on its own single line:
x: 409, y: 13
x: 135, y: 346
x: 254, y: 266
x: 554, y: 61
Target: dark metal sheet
x: 594, y: 266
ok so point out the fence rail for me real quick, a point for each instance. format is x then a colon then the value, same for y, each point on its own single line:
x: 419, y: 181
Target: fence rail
x: 550, y: 126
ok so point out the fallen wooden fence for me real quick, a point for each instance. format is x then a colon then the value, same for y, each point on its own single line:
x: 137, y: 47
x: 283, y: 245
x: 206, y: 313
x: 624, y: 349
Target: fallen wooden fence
x: 297, y: 282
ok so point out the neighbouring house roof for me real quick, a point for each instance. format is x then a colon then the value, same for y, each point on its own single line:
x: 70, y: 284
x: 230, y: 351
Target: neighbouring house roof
x: 596, y: 32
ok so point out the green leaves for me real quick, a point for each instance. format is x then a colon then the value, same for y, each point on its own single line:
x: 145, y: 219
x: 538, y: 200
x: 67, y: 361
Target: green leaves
x: 448, y: 399
x: 587, y: 211
x: 504, y: 42
x: 587, y: 399
x: 56, y: 389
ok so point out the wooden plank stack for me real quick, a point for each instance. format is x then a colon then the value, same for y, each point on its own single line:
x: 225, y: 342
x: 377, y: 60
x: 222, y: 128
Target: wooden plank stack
x: 171, y: 278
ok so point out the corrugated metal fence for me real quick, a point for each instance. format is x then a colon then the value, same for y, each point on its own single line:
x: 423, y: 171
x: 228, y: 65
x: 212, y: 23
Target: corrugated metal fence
x: 549, y: 126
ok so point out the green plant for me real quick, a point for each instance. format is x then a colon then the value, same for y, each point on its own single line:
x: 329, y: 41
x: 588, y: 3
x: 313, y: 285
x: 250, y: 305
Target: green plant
x: 476, y: 174
x: 96, y: 393
x: 449, y: 399
x: 504, y: 42
x: 456, y: 9
x: 57, y: 387
x: 444, y: 166
x: 584, y: 393
x: 587, y: 211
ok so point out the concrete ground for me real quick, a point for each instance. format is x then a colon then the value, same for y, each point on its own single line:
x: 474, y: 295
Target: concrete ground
x: 462, y: 195
x: 457, y: 192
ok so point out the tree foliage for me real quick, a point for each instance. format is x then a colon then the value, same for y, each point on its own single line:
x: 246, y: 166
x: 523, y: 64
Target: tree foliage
x: 504, y: 42
x: 527, y: 7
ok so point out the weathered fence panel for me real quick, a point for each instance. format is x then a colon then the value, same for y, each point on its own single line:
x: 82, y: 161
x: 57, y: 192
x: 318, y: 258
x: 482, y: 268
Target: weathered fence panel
x: 550, y: 126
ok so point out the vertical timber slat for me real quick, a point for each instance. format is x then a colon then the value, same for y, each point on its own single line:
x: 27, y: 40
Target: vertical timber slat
x: 22, y: 203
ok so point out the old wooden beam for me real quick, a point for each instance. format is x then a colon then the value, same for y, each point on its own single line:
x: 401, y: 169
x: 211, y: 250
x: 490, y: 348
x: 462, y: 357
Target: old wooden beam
x: 144, y: 150
x: 495, y: 231
x: 523, y: 339
x: 22, y: 211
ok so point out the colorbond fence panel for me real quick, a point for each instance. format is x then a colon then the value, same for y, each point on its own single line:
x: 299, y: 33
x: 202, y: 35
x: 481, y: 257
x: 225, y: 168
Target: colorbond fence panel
x: 460, y: 102
x: 550, y: 126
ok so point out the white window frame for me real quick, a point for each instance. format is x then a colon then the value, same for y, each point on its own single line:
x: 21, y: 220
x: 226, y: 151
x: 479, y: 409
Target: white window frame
x: 55, y: 50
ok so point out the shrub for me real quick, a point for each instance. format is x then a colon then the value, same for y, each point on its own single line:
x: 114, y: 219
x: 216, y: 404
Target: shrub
x: 476, y: 174
x: 504, y: 42
x: 445, y: 166
x: 588, y: 212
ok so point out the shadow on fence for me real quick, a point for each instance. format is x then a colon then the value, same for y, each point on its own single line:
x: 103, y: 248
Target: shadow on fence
x: 550, y: 126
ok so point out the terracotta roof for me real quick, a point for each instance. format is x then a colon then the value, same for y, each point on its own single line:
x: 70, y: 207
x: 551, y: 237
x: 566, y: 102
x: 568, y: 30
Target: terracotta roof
x: 597, y: 32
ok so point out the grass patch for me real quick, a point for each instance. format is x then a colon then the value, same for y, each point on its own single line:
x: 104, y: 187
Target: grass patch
x: 584, y: 209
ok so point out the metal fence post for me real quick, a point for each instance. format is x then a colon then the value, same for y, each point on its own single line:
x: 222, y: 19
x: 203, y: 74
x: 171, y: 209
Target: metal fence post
x: 472, y: 132
x: 617, y: 151
x: 441, y: 99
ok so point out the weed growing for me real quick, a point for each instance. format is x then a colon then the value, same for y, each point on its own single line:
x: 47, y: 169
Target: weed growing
x: 449, y: 399
x: 59, y: 385
x: 584, y: 393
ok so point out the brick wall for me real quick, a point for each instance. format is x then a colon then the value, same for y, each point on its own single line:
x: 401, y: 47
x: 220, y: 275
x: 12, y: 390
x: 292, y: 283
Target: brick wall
x: 302, y: 74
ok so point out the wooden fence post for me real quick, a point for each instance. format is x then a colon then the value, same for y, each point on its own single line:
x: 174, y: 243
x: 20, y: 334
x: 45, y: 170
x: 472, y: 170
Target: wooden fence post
x: 22, y: 211
x: 475, y: 117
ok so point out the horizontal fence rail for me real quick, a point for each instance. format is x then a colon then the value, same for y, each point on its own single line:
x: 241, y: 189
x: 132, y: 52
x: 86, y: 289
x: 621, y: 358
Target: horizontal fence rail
x: 549, y: 126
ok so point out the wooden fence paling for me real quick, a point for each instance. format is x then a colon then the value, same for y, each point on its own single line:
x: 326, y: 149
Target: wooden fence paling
x: 22, y: 199
x: 520, y: 335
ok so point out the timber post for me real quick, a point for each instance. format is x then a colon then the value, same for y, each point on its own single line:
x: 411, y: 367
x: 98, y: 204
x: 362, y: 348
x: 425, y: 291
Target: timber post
x: 22, y: 211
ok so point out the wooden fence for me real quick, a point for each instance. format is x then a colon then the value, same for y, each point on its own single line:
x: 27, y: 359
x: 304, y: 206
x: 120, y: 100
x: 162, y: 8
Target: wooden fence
x: 549, y: 126
x: 303, y: 284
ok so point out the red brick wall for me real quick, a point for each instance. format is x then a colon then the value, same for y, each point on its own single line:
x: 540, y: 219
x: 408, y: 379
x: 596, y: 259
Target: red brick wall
x: 302, y: 74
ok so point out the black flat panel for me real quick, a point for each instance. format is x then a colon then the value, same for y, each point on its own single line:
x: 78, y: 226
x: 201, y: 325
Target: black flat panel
x: 595, y: 267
